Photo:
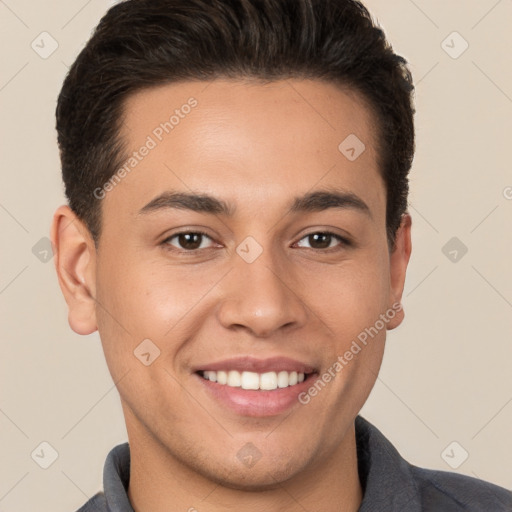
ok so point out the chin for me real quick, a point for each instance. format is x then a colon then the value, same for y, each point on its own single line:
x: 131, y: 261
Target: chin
x: 251, y: 482
x: 261, y: 477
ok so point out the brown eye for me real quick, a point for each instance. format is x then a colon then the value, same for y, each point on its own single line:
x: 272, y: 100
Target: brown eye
x: 188, y: 241
x: 322, y: 240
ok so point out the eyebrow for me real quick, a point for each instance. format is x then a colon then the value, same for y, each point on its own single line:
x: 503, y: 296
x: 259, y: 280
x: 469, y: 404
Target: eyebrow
x: 311, y: 202
x: 322, y: 200
x: 188, y: 201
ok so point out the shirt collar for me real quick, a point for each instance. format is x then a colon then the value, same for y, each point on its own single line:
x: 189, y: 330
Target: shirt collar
x: 116, y: 476
x: 386, y: 478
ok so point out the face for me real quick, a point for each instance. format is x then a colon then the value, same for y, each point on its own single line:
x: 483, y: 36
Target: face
x: 248, y: 251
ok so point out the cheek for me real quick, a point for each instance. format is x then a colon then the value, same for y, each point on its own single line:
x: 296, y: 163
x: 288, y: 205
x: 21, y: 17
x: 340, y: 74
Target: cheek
x: 348, y: 297
x: 139, y: 300
x: 350, y: 300
x: 146, y: 292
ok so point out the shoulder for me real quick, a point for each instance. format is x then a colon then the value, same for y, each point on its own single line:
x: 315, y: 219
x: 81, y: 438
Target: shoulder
x: 97, y: 503
x: 391, y: 483
x: 116, y: 477
x: 458, y: 492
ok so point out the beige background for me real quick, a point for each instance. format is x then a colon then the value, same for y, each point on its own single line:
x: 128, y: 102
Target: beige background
x: 446, y: 374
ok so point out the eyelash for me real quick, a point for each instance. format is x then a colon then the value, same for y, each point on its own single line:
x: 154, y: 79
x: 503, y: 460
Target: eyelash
x: 343, y: 242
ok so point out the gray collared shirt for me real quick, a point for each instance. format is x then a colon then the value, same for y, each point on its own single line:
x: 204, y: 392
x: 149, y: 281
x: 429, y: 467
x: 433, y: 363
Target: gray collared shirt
x: 390, y: 483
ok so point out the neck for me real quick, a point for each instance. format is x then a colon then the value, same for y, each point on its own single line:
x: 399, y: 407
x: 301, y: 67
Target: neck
x: 159, y: 482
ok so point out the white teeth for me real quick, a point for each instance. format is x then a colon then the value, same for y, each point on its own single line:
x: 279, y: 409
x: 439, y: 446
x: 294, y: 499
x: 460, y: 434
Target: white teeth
x: 211, y: 376
x: 268, y: 381
x: 234, y: 379
x: 282, y: 380
x: 222, y: 377
x: 251, y: 380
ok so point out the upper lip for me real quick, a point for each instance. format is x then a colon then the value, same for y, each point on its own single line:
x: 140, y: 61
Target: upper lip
x: 252, y: 364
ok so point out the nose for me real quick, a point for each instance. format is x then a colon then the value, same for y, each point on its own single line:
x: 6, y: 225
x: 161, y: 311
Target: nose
x: 261, y: 297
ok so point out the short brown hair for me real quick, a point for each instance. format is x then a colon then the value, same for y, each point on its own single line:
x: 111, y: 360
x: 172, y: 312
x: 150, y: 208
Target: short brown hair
x: 144, y: 43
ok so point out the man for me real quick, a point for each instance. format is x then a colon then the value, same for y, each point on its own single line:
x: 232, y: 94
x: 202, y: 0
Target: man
x: 237, y: 232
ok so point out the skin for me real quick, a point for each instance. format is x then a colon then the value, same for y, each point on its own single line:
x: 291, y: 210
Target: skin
x: 257, y: 147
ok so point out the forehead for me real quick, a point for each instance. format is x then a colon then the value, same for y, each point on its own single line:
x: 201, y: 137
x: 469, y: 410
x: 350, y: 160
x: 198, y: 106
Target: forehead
x: 248, y: 142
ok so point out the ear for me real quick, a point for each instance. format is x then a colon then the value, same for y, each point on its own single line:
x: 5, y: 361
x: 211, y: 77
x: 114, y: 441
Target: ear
x: 75, y: 262
x: 399, y: 259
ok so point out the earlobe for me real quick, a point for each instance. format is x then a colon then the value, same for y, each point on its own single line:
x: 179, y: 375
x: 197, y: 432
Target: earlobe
x: 399, y: 259
x: 75, y: 262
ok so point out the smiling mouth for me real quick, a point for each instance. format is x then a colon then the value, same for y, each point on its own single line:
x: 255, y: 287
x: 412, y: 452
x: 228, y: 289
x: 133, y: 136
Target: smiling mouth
x: 267, y: 381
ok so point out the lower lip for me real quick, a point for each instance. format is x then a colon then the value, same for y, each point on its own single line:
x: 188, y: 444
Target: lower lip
x: 256, y: 403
